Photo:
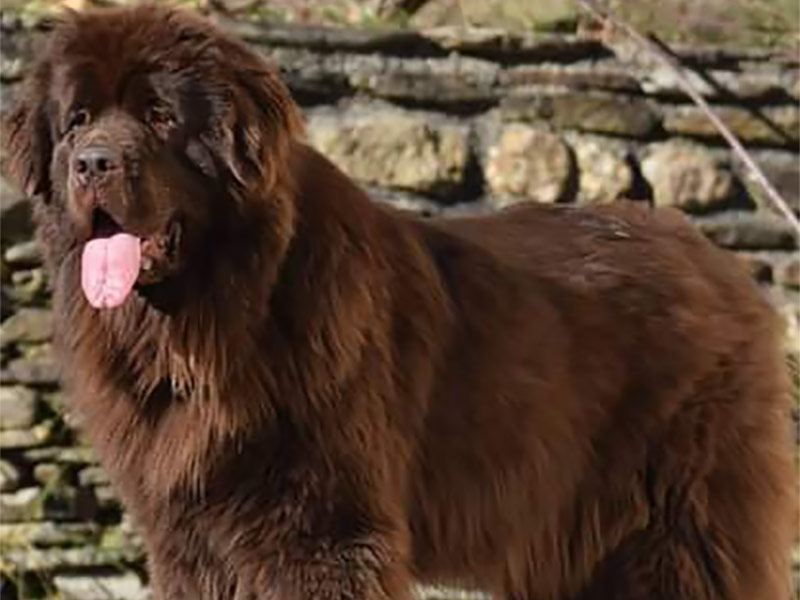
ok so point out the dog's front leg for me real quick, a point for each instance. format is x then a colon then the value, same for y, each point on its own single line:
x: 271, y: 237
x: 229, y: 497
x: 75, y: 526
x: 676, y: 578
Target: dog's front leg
x: 180, y: 574
x: 320, y: 540
x: 363, y: 570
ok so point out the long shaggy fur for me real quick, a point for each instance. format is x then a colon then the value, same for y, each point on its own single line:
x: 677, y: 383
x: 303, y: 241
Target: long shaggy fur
x: 331, y: 399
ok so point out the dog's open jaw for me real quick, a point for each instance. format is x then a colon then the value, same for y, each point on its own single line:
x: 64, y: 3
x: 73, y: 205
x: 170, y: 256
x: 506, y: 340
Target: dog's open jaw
x: 110, y: 263
x: 114, y: 260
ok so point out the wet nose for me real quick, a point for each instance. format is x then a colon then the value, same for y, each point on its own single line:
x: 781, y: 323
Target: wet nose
x: 93, y: 164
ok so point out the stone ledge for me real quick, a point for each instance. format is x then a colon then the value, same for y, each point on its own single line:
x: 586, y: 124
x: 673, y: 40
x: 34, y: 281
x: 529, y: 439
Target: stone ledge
x: 765, y: 85
x: 397, y: 42
x: 494, y: 44
x: 731, y: 58
x: 41, y: 370
x: 600, y: 75
x: 24, y: 536
x: 447, y: 81
x: 101, y: 586
x: 16, y: 561
x: 748, y: 231
x: 598, y: 113
x: 774, y: 126
x: 504, y: 46
x: 76, y: 455
x: 16, y: 439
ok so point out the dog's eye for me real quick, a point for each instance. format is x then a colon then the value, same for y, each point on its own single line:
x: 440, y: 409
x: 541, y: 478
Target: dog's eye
x: 77, y: 118
x: 159, y: 115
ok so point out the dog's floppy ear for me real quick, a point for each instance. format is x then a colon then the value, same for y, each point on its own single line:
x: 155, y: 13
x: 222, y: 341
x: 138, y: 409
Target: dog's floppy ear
x: 27, y: 138
x: 264, y: 119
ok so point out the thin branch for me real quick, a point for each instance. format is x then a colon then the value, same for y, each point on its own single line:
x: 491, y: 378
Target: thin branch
x: 659, y: 49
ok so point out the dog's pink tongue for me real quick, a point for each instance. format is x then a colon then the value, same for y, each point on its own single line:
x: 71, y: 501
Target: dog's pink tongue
x: 109, y: 268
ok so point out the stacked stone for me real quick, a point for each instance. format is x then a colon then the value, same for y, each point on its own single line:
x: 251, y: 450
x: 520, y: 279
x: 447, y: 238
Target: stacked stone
x: 443, y: 122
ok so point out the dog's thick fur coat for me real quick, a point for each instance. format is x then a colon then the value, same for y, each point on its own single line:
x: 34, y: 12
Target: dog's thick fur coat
x: 319, y: 397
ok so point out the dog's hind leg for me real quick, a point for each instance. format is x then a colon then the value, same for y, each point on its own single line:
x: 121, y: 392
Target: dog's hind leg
x: 720, y: 530
x: 685, y: 563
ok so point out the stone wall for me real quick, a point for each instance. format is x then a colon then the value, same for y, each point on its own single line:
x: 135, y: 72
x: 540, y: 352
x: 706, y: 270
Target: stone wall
x: 444, y: 122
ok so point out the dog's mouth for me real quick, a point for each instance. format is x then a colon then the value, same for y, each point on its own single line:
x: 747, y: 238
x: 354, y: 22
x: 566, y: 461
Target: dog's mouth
x: 103, y: 224
x: 114, y: 260
x: 161, y: 253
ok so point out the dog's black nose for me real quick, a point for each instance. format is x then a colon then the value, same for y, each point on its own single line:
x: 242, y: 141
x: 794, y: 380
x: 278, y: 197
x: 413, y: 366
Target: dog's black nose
x: 93, y: 164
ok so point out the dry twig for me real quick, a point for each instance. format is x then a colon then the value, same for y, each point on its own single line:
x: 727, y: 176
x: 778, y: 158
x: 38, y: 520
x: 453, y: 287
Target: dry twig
x: 652, y: 44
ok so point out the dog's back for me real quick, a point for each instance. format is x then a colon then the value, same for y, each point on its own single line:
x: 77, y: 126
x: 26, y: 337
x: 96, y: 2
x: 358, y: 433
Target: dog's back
x: 612, y: 412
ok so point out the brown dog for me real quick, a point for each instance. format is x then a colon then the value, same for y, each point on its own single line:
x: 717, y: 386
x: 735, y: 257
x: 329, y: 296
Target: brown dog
x: 300, y: 394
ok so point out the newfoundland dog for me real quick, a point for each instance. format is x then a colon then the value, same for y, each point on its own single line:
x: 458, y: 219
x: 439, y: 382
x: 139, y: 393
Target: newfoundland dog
x: 301, y: 394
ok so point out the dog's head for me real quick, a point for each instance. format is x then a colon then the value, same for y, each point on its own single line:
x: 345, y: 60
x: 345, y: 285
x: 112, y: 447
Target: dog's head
x: 138, y: 133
